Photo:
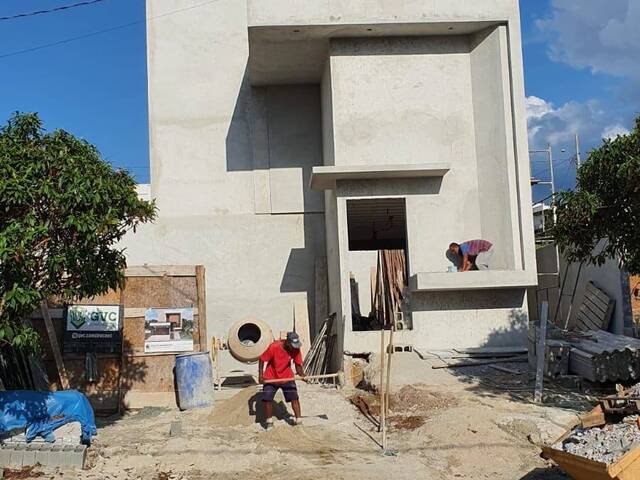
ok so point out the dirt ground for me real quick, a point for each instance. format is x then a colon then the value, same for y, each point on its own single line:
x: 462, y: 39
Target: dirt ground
x: 442, y: 425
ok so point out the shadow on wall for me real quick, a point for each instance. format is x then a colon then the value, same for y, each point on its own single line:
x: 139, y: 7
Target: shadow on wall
x: 467, y: 300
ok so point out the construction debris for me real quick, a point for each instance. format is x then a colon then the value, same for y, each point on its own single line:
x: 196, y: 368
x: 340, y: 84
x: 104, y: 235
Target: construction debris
x: 605, y: 444
x: 318, y: 360
x: 605, y: 357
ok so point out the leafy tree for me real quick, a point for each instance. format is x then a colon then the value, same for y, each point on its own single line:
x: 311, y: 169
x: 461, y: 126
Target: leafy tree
x: 601, y: 218
x: 62, y: 211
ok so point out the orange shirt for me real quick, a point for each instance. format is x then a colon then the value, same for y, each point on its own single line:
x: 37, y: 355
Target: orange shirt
x: 278, y: 361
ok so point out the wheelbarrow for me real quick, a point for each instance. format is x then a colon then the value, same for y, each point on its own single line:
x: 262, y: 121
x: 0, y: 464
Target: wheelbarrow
x: 580, y: 468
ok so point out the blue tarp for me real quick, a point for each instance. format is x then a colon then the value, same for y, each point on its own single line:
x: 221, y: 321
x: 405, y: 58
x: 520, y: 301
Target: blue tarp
x: 42, y: 412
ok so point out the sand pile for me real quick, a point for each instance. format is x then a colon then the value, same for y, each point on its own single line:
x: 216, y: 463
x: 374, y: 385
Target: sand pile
x: 238, y: 410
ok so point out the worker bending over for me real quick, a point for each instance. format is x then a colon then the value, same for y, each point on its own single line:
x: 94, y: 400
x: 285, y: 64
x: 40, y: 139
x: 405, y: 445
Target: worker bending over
x: 278, y: 357
x: 476, y: 254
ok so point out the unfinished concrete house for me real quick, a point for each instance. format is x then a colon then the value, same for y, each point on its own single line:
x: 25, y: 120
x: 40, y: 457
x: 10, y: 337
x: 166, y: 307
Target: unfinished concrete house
x: 299, y: 145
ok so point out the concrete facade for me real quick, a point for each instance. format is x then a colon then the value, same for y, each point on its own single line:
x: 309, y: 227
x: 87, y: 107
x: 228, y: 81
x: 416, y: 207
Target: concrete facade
x: 247, y: 97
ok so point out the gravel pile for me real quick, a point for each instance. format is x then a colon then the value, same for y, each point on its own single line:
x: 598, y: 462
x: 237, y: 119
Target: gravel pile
x: 605, y: 444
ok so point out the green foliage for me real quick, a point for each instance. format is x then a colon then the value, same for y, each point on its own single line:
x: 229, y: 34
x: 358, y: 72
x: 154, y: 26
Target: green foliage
x: 62, y: 211
x: 601, y: 219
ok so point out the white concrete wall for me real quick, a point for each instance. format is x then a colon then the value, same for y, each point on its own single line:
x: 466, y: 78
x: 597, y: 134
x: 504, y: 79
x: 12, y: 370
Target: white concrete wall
x: 328, y: 12
x: 494, y: 147
x: 607, y: 277
x: 403, y: 101
x: 230, y: 163
x: 416, y: 108
x: 229, y: 168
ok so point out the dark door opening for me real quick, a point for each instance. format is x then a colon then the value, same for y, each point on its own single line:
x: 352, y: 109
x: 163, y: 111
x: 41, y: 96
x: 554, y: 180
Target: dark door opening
x: 377, y: 230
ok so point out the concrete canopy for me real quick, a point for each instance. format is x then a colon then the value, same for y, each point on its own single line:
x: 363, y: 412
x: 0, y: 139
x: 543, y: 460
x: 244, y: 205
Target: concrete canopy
x: 282, y: 55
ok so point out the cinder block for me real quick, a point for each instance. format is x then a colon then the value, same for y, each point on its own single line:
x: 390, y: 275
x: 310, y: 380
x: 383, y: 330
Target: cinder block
x: 29, y: 456
x: 78, y: 456
x: 42, y: 454
x: 56, y: 457
x: 5, y: 455
x: 17, y: 455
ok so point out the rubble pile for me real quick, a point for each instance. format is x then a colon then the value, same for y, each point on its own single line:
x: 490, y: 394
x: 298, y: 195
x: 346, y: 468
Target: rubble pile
x: 605, y: 444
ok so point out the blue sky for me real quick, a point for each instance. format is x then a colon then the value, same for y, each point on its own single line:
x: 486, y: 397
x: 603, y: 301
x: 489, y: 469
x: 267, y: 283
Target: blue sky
x: 582, y: 73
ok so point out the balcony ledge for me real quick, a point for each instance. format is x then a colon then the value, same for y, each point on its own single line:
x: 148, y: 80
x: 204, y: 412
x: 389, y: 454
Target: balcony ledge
x: 324, y: 178
x: 475, y: 280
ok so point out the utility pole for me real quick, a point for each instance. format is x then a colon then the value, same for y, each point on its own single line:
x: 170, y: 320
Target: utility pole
x: 578, y: 160
x: 553, y: 184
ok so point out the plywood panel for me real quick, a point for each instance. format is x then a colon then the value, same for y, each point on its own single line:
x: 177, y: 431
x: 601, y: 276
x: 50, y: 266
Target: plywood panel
x: 161, y: 292
x: 133, y: 334
x: 149, y: 374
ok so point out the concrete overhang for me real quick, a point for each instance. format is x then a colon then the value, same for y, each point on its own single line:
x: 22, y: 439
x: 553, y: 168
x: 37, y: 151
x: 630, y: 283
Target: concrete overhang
x: 297, y: 54
x: 475, y: 280
x: 324, y: 178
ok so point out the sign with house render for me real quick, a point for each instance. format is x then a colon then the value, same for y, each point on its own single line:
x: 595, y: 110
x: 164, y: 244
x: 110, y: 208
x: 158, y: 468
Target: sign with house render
x: 168, y: 330
x: 93, y: 328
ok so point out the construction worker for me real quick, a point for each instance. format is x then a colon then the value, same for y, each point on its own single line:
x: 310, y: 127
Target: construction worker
x: 275, y: 363
x: 476, y: 254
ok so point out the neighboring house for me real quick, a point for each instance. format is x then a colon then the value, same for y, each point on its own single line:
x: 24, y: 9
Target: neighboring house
x: 541, y: 217
x: 289, y: 133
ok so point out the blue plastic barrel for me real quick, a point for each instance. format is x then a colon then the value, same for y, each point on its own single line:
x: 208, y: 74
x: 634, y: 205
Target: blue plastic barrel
x: 194, y: 380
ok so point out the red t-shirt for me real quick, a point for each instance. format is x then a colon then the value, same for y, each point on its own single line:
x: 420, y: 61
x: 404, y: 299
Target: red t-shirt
x: 278, y: 361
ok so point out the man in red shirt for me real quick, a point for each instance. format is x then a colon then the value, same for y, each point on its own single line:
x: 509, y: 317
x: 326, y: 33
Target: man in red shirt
x: 278, y: 357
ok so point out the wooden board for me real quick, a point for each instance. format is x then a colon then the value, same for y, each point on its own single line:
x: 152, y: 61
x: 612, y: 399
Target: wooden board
x: 321, y: 297
x: 161, y: 292
x: 147, y: 376
x: 201, y: 323
x: 301, y: 324
x: 595, y: 311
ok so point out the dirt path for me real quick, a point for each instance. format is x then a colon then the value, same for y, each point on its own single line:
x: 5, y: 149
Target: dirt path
x: 447, y: 432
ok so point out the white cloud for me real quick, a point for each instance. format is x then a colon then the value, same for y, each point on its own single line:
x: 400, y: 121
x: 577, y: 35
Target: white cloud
x: 558, y: 125
x: 604, y: 37
x: 596, y: 34
x: 612, y: 131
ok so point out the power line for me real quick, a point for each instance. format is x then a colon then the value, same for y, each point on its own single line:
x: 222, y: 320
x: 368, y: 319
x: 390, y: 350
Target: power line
x: 100, y: 32
x: 51, y: 10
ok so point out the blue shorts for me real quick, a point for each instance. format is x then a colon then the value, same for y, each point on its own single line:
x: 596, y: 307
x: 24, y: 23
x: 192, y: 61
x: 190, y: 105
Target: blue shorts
x: 289, y: 390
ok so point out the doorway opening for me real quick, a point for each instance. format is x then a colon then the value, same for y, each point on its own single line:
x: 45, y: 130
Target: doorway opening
x: 377, y: 231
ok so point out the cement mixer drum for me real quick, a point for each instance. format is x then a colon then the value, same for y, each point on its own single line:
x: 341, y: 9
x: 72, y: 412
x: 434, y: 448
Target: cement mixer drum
x: 248, y: 339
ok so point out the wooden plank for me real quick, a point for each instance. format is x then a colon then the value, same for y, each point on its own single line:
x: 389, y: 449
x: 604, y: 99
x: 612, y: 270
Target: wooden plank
x: 597, y: 292
x: 202, y: 307
x: 161, y: 271
x: 55, y: 346
x: 583, y: 325
x: 595, y: 302
x: 537, y: 396
x: 492, y: 350
x: 321, y: 298
x: 161, y: 292
x: 474, y: 363
x: 593, y: 318
x: 599, y: 313
x: 587, y: 319
x: 301, y: 324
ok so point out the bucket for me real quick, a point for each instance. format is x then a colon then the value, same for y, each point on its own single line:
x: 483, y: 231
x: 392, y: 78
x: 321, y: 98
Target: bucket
x: 194, y: 379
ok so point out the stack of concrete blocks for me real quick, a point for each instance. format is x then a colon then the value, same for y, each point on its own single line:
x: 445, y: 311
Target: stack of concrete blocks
x: 65, y: 451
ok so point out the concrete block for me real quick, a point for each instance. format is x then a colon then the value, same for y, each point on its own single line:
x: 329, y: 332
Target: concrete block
x: 5, y: 455
x: 16, y: 455
x: 43, y: 452
x: 175, y: 430
x: 56, y: 456
x: 29, y: 455
x: 77, y: 457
